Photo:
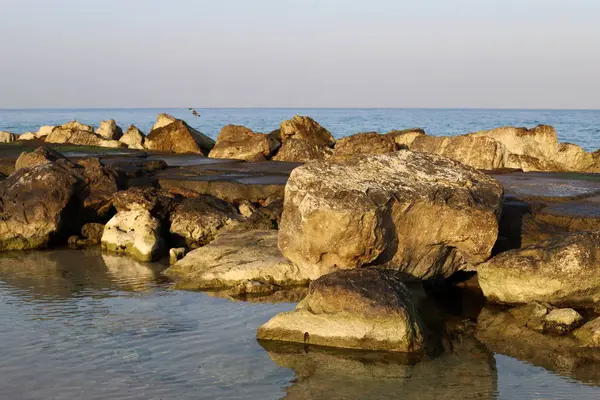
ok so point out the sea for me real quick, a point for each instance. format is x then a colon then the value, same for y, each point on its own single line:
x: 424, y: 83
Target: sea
x: 82, y: 325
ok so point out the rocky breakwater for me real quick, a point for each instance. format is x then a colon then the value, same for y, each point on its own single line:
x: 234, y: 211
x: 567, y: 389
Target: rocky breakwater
x: 84, y: 135
x: 509, y: 147
x: 175, y: 136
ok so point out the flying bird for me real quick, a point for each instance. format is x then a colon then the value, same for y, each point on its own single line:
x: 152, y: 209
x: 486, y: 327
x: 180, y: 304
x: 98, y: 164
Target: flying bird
x: 196, y: 114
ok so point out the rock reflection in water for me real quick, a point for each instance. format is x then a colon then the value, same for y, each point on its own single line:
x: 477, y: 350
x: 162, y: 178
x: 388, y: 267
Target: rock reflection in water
x: 286, y: 295
x: 65, y: 274
x: 467, y: 372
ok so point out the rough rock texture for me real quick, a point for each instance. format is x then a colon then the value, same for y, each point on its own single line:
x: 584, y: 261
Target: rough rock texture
x: 7, y: 137
x: 176, y: 254
x: 45, y: 131
x: 365, y: 143
x: 109, y: 130
x: 35, y: 204
x: 306, y: 128
x: 236, y: 257
x: 420, y: 214
x: 539, y: 142
x: 589, y: 334
x: 299, y: 150
x: 163, y: 120
x: 562, y: 321
x: 133, y: 138
x: 79, y: 134
x: 477, y: 152
x: 575, y: 158
x: 41, y: 155
x: 101, y: 183
x: 561, y: 271
x: 27, y: 136
x: 358, y: 309
x: 240, y: 143
x: 159, y: 203
x: 93, y: 231
x: 179, y: 137
x: 404, y: 138
x: 196, y: 221
x: 134, y: 233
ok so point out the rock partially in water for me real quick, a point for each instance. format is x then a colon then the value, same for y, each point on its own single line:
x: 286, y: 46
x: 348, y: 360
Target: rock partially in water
x: 196, y: 221
x: 179, y: 137
x: 562, y: 321
x: 236, y: 257
x: 36, y: 204
x: 561, y: 271
x: 241, y: 143
x: 467, y: 371
x: 134, y: 233
x: 109, y: 130
x: 133, y: 138
x: 358, y: 309
x: 176, y: 254
x: 589, y: 334
x: 423, y: 215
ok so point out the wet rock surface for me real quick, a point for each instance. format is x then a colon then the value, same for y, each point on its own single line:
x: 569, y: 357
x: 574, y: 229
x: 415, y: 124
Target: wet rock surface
x: 359, y: 309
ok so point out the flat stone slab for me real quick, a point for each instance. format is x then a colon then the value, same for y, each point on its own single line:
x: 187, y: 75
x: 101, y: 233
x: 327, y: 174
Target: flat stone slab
x: 183, y: 160
x: 549, y: 186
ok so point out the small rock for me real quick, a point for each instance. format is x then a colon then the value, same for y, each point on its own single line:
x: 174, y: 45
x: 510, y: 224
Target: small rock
x: 246, y: 209
x: 562, y: 321
x: 133, y: 138
x: 589, y: 334
x: 7, y: 137
x: 134, y: 233
x: 530, y: 315
x: 93, y: 232
x: 26, y: 136
x: 45, y: 131
x: 176, y: 254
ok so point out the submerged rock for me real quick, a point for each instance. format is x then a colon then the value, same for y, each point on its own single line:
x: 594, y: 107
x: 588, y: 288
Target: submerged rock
x: 179, y: 137
x: 133, y: 138
x: 423, y: 215
x: 196, y: 221
x: 133, y: 233
x: 358, y: 309
x: 236, y: 257
x: 562, y: 271
x: 241, y: 143
x: 109, y: 130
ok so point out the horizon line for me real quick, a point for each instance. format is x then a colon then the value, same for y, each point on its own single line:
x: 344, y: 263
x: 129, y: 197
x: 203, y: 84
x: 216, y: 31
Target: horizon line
x: 304, y: 108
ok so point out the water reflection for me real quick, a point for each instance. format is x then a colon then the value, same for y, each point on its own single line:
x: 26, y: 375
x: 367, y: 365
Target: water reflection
x: 66, y: 274
x: 466, y: 372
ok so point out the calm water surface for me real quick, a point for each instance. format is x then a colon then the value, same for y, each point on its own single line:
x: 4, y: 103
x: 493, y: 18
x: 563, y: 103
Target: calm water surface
x: 579, y: 127
x: 81, y: 325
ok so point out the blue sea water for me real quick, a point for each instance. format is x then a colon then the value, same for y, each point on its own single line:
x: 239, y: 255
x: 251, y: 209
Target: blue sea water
x: 581, y: 127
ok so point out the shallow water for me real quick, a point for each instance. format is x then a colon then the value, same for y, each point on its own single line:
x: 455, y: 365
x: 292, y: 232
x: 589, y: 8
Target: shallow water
x: 581, y: 127
x: 78, y: 324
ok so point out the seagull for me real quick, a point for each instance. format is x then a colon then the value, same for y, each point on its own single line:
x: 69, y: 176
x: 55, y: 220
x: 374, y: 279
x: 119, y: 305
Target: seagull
x: 194, y: 112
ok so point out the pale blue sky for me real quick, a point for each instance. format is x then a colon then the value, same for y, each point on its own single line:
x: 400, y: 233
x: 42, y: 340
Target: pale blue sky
x: 300, y: 53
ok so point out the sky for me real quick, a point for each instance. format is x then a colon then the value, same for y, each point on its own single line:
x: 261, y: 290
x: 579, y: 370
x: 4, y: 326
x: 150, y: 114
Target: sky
x: 300, y: 53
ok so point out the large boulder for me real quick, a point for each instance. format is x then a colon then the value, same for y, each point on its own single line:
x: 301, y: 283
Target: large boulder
x: 44, y: 131
x: 365, y: 143
x: 196, y: 221
x: 240, y: 143
x: 27, y: 136
x: 109, y: 130
x: 306, y: 128
x: 133, y: 138
x: 133, y: 233
x: 159, y: 203
x: 7, y: 137
x: 540, y: 142
x: 179, y: 137
x: 238, y: 258
x: 423, y: 215
x: 478, y: 152
x: 575, y: 158
x: 36, y: 205
x: 358, y: 309
x: 41, y: 155
x: 299, y: 150
x: 79, y: 134
x: 100, y: 184
x: 562, y: 271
